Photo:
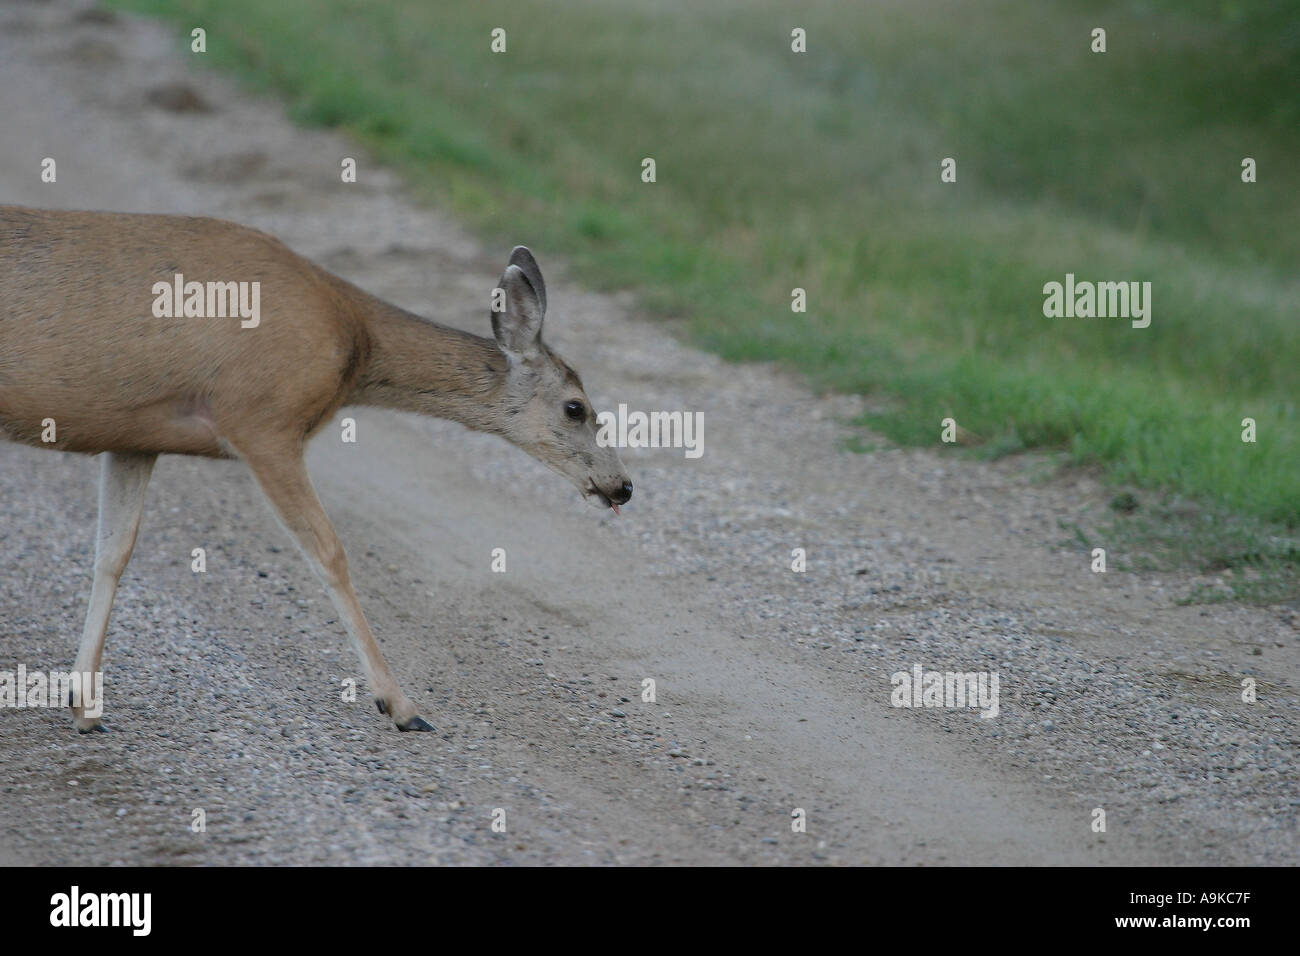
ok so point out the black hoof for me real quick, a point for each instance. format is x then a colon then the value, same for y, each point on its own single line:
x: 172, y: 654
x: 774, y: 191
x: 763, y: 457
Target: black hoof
x: 97, y: 729
x: 383, y: 708
x: 416, y: 723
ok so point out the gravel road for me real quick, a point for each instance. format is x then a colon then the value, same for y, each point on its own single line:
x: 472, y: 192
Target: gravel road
x: 772, y: 686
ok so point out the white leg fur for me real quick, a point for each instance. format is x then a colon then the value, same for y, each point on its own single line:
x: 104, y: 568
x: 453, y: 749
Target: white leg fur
x: 123, y: 479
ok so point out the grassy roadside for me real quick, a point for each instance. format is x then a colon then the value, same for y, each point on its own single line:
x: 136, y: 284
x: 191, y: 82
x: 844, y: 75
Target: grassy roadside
x: 821, y: 171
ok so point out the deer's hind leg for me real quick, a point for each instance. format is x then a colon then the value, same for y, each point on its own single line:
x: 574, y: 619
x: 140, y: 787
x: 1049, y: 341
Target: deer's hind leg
x: 123, y: 478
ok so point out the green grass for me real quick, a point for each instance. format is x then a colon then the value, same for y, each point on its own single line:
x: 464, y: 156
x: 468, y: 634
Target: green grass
x: 821, y: 171
x: 1250, y: 562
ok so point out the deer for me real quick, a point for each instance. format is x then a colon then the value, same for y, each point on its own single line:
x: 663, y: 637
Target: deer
x: 90, y: 363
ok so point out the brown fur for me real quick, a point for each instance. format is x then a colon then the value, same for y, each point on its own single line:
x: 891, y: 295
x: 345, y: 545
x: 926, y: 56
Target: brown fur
x: 79, y: 344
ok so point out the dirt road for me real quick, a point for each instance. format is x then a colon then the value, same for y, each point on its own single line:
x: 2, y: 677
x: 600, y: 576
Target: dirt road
x: 772, y: 686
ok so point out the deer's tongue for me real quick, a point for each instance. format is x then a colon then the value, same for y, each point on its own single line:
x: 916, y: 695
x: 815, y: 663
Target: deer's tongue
x: 614, y: 506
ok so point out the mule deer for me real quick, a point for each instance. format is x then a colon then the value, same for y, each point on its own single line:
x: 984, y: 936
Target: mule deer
x: 90, y: 363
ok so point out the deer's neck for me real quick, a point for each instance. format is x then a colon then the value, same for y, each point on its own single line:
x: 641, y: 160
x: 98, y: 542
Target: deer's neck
x: 417, y: 365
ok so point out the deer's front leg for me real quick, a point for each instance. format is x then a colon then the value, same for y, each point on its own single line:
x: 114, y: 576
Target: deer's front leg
x: 282, y: 475
x: 123, y: 479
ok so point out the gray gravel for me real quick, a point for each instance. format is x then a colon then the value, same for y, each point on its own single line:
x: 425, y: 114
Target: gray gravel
x: 773, y: 686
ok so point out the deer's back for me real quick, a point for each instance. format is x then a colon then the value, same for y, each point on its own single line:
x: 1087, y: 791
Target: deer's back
x: 81, y: 341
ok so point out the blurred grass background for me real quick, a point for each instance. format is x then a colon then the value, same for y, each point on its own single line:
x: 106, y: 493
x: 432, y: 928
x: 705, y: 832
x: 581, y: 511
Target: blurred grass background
x: 821, y: 171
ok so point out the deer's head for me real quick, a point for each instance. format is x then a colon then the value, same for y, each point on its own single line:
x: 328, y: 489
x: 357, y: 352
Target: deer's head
x: 547, y: 413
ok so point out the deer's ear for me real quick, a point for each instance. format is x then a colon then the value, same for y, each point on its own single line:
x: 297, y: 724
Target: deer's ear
x: 518, y: 329
x: 521, y: 256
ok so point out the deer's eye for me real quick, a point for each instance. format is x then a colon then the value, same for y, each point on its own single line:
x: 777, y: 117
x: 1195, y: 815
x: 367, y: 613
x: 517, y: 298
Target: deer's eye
x: 575, y: 410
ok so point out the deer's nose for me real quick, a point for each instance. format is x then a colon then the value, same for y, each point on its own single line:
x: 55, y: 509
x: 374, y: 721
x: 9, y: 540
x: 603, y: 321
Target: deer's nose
x: 622, y: 494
